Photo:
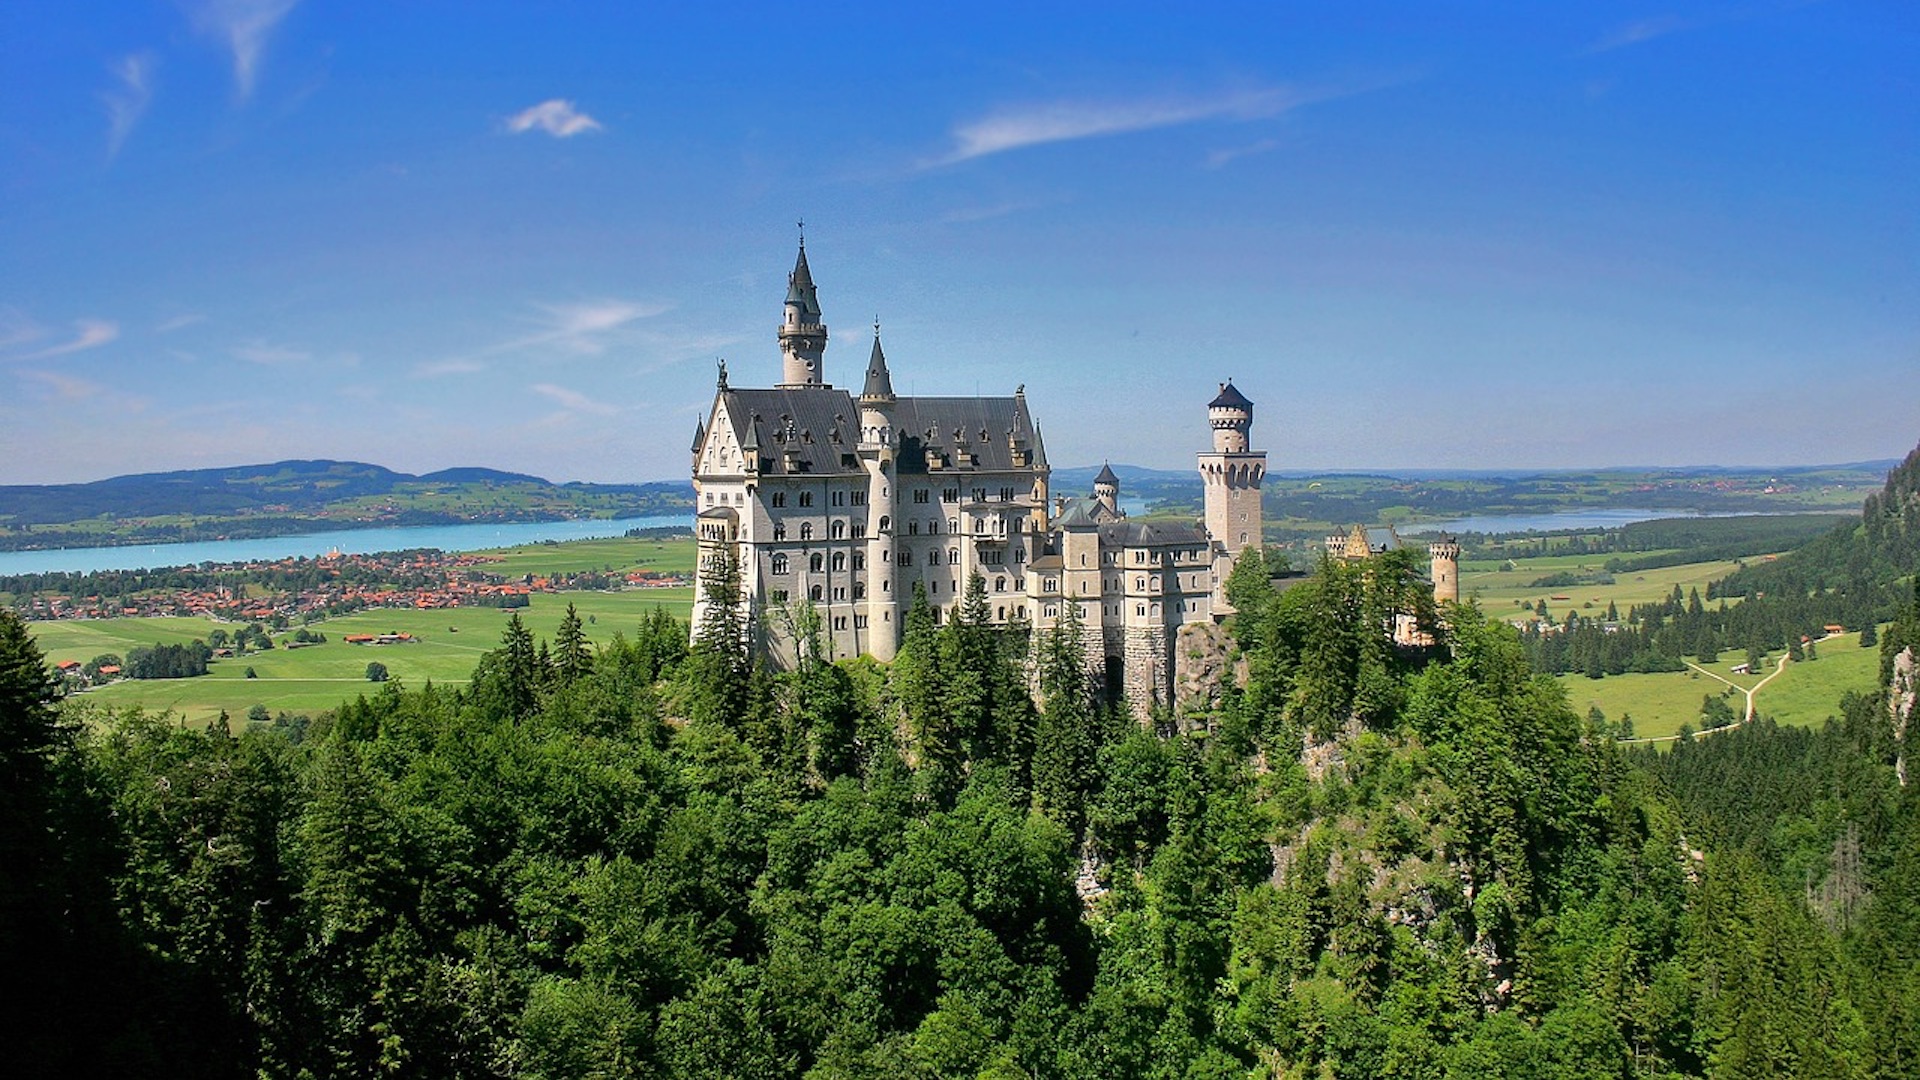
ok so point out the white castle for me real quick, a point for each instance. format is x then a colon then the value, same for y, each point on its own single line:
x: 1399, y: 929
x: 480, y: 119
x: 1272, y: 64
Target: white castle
x: 848, y: 501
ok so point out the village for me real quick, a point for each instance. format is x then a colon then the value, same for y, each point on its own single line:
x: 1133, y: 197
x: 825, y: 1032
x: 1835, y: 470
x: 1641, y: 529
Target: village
x: 333, y: 584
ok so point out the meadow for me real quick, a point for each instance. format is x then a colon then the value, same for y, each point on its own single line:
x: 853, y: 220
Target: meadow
x: 1501, y: 591
x: 448, y: 641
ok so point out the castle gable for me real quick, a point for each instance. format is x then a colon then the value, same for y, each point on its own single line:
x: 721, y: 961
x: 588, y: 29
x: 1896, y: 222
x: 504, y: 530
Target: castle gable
x: 811, y: 431
x: 962, y: 433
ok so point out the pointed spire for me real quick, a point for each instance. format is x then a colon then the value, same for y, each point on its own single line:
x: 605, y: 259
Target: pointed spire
x: 800, y: 285
x: 699, y: 435
x: 879, y: 379
x: 1106, y: 475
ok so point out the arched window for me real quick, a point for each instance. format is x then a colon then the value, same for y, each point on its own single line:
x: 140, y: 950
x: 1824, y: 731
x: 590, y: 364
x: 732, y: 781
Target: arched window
x: 999, y: 584
x: 780, y: 562
x: 838, y: 530
x: 806, y: 530
x: 885, y: 522
x: 839, y: 561
x: 779, y: 530
x: 953, y: 556
x: 814, y: 562
x: 813, y: 592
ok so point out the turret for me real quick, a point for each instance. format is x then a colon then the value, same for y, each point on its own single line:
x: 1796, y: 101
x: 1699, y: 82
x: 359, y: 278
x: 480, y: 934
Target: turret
x: 876, y: 397
x: 1445, y: 571
x: 803, y: 337
x: 1106, y: 488
x: 1231, y: 415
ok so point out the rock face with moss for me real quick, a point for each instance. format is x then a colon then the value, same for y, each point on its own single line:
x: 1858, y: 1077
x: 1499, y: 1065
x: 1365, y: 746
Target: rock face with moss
x: 1901, y: 692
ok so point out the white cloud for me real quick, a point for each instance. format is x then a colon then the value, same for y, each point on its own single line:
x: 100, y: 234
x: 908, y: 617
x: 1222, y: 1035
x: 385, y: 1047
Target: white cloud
x: 127, y: 103
x: 178, y: 322
x: 243, y: 26
x: 1035, y: 125
x: 556, y: 117
x: 574, y: 399
x: 259, y: 352
x: 63, y: 386
x: 1220, y: 159
x: 87, y: 334
x: 448, y: 367
x: 1634, y: 33
x: 582, y: 327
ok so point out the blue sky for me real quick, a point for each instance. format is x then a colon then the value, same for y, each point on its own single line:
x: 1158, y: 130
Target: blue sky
x: 440, y: 234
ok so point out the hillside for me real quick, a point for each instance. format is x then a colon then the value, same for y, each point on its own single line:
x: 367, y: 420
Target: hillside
x: 298, y: 496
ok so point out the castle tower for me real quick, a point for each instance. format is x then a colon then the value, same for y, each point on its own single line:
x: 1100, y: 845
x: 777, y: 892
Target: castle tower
x: 1232, y: 473
x: 803, y: 337
x: 1446, y: 570
x: 881, y: 607
x: 1106, y: 488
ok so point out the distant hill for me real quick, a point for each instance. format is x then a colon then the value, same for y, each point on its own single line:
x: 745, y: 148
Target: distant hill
x: 289, y: 497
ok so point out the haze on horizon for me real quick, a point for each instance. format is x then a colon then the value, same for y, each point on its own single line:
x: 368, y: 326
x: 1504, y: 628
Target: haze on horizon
x: 442, y: 235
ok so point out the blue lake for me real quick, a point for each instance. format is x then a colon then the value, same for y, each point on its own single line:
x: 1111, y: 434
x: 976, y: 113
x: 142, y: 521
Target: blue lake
x: 351, y: 541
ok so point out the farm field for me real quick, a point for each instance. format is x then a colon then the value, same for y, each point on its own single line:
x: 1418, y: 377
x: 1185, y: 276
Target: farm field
x: 450, y: 641
x: 613, y: 555
x: 1805, y: 694
x: 1501, y: 592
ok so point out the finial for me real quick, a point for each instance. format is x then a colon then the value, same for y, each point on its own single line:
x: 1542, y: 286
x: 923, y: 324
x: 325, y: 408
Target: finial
x: 1020, y: 391
x: 722, y: 361
x: 876, y: 326
x: 802, y: 225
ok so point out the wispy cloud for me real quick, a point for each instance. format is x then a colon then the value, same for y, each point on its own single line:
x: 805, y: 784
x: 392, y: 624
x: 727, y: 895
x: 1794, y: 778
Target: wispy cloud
x: 583, y: 327
x: 260, y: 352
x: 63, y: 386
x: 127, y: 102
x: 438, y: 368
x: 1063, y: 121
x: 179, y: 322
x: 87, y: 334
x: 556, y: 117
x: 1634, y: 33
x: 243, y: 26
x: 1220, y: 159
x: 574, y: 399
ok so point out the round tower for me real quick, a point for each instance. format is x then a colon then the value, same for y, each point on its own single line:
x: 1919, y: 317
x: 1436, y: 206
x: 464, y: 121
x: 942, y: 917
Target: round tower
x: 803, y: 337
x: 1106, y: 488
x: 1445, y: 553
x: 1231, y: 415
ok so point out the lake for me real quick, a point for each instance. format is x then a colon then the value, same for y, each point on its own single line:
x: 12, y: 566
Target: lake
x: 351, y: 541
x: 1593, y: 518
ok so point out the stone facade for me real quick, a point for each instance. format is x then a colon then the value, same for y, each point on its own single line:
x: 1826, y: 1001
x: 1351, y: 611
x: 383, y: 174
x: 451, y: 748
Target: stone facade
x: 848, y: 502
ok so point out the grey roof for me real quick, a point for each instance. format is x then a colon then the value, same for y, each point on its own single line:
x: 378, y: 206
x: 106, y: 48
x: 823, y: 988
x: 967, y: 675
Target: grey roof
x: 1106, y: 475
x: 800, y: 286
x: 803, y: 420
x: 699, y: 435
x: 1150, y: 534
x: 981, y: 426
x: 1230, y: 397
x: 879, y: 379
x: 1077, y: 516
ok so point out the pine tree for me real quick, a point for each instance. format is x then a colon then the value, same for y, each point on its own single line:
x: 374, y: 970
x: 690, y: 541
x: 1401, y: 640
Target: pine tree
x: 573, y: 654
x: 1064, y: 746
x: 719, y: 676
x: 521, y: 668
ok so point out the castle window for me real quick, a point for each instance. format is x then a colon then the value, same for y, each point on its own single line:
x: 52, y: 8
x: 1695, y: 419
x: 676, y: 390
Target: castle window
x: 920, y: 495
x: 838, y: 529
x: 886, y: 522
x: 780, y: 562
x: 859, y: 622
x: 1000, y: 585
x: 778, y: 596
x: 806, y: 530
x: 839, y: 622
x: 953, y: 556
x: 1006, y: 494
x: 858, y: 498
x: 859, y: 530
x: 1002, y: 613
x: 1019, y: 584
x: 859, y: 560
x: 1138, y: 609
x: 806, y: 498
x: 779, y: 498
x: 840, y: 593
x: 815, y: 562
x: 953, y: 525
x: 933, y: 527
x: 839, y: 561
x: 905, y: 558
x: 913, y: 528
x: 950, y: 495
x: 1019, y: 555
x: 1243, y: 538
x: 839, y: 498
x: 779, y: 530
x: 859, y: 590
x: 1049, y: 585
x: 1053, y: 611
x: 979, y: 494
x: 813, y: 593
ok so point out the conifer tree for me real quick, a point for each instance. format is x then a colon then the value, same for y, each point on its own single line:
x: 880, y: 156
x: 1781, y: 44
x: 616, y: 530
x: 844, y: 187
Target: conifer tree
x: 573, y: 654
x: 720, y: 674
x: 1064, y: 745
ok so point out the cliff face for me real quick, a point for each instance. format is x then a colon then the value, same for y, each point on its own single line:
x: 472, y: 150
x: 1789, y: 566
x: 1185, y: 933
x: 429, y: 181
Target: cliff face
x: 1901, y: 692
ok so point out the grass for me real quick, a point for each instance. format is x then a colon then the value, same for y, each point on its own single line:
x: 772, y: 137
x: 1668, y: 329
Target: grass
x: 1805, y: 694
x: 320, y: 677
x: 1500, y: 592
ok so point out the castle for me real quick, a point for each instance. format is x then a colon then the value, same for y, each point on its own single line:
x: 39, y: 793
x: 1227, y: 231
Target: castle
x: 848, y: 501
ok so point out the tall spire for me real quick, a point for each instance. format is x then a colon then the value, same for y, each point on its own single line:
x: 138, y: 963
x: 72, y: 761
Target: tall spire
x: 803, y: 336
x: 879, y: 380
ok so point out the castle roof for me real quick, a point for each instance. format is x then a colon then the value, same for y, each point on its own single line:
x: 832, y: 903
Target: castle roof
x: 879, y: 379
x: 963, y: 433
x: 1128, y: 533
x: 802, y: 429
x: 1106, y: 475
x: 800, y: 286
x: 1077, y: 515
x: 1230, y: 398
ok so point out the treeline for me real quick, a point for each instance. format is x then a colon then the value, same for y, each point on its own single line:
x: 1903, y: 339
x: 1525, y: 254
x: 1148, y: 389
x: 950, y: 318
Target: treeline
x: 295, y: 575
x: 168, y: 661
x: 1375, y: 856
x: 1672, y: 540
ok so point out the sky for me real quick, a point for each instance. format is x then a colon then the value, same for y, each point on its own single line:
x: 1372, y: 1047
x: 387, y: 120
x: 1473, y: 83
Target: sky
x: 1476, y: 235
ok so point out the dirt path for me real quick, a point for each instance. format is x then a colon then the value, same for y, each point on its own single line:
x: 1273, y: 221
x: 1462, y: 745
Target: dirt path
x: 1747, y: 719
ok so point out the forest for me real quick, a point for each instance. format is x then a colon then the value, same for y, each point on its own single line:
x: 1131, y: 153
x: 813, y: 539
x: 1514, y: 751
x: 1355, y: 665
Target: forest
x: 637, y: 857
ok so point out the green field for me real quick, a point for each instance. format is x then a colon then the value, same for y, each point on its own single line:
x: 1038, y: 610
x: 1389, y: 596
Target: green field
x: 613, y: 555
x: 319, y: 677
x: 1500, y: 592
x: 1805, y: 694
